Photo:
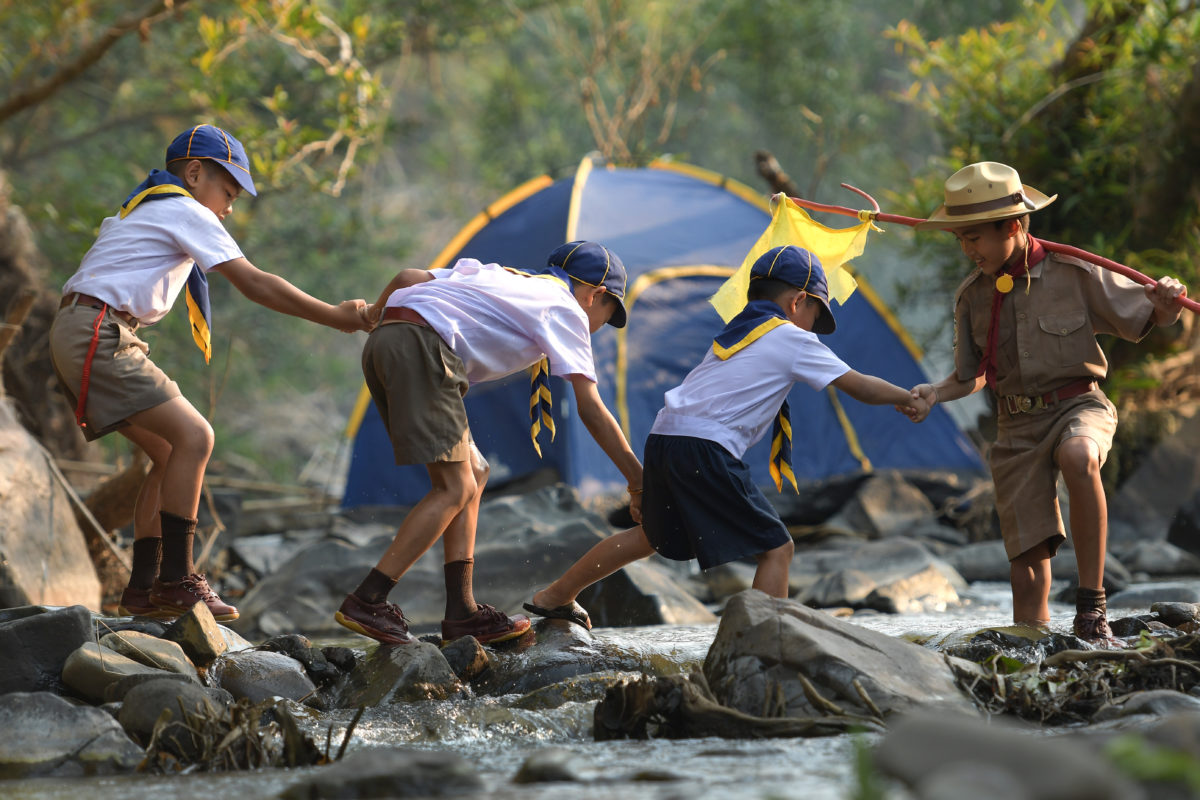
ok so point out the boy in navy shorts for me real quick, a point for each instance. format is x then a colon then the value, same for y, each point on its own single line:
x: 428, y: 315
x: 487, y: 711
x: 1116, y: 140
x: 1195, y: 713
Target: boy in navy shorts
x: 441, y: 331
x: 700, y: 500
x: 167, y: 235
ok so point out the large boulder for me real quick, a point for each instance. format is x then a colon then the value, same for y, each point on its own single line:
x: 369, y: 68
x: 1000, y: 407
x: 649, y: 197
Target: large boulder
x: 1159, y: 559
x: 892, y: 575
x: 1145, y: 505
x: 43, y: 554
x: 35, y: 643
x: 642, y: 593
x: 47, y: 736
x: 167, y: 700
x: 399, y: 674
x: 885, y: 505
x: 151, y: 651
x: 92, y: 668
x: 261, y: 674
x: 380, y: 772
x: 764, y: 643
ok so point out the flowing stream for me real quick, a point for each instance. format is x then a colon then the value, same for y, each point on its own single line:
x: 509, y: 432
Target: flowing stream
x: 496, y: 739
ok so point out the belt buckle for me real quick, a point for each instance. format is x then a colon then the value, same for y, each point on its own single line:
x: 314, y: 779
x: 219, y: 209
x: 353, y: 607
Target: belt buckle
x: 1024, y: 404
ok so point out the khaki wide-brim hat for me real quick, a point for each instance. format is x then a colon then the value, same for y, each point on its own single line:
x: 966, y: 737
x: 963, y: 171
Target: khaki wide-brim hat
x: 984, y: 192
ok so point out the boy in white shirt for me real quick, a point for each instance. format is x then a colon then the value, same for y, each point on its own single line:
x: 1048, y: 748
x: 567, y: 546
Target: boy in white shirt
x: 131, y: 276
x: 441, y: 331
x: 700, y: 500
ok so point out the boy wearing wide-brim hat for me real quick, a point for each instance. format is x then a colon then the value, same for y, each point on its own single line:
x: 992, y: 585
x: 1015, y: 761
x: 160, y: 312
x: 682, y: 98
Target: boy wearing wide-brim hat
x: 166, y: 238
x: 1025, y: 325
x: 700, y: 499
x: 441, y: 331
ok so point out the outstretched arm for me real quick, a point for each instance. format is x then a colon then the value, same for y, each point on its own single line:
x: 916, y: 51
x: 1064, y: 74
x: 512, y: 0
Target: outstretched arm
x: 276, y: 293
x: 603, y: 427
x: 945, y: 390
x: 877, y: 391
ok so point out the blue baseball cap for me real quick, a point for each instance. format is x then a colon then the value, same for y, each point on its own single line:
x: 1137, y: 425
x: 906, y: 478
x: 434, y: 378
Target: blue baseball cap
x: 594, y: 264
x: 209, y: 141
x: 798, y: 267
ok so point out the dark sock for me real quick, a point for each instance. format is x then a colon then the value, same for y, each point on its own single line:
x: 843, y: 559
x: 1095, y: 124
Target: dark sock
x: 1091, y: 600
x: 178, y: 534
x: 375, y: 587
x: 147, y: 555
x: 460, y: 598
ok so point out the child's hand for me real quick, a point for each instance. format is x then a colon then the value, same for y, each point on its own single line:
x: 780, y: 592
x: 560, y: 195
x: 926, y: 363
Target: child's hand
x: 923, y: 398
x: 1163, y: 294
x: 371, y: 314
x: 351, y: 316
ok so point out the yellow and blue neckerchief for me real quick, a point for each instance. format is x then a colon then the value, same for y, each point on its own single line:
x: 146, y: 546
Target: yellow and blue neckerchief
x: 540, y: 401
x: 755, y: 320
x: 160, y: 184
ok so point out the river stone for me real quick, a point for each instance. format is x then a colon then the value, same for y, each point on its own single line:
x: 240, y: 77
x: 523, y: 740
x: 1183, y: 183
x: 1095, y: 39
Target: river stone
x: 258, y: 675
x: 1159, y: 559
x: 982, y: 561
x: 43, y: 554
x: 34, y: 646
x: 885, y: 505
x: 1179, y: 731
x: 47, y: 736
x: 116, y: 691
x: 932, y: 589
x: 168, y: 700
x: 585, y: 688
x: 895, y: 573
x: 921, y: 744
x: 642, y: 593
x: 726, y: 580
x: 92, y: 668
x: 466, y: 657
x: 763, y: 642
x: 548, y: 765
x: 311, y: 658
x: 398, y: 674
x: 1175, y: 614
x: 198, y: 633
x: 1159, y: 702
x: 1146, y: 595
x: 151, y: 651
x: 1149, y: 498
x: 384, y: 772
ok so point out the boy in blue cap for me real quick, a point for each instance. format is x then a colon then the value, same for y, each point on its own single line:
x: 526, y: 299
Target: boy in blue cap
x: 441, y: 331
x: 140, y: 262
x: 700, y: 500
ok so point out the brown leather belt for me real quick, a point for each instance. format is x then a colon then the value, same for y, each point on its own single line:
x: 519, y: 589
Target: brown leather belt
x: 1021, y: 404
x: 402, y: 314
x: 81, y: 299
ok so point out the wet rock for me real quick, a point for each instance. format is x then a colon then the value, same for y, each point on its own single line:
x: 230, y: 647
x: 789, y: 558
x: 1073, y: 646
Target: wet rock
x: 921, y: 745
x: 1021, y: 642
x: 170, y: 700
x: 1176, y: 614
x: 1128, y: 626
x: 764, y: 643
x: 151, y: 651
x: 1159, y: 702
x: 642, y: 593
x: 260, y: 674
x: 47, y: 736
x: 39, y: 536
x: 380, y: 772
x: 151, y: 627
x: 346, y: 659
x: 397, y: 674
x: 35, y: 643
x: 116, y: 691
x: 198, y: 633
x: 885, y: 505
x: 91, y: 669
x: 896, y: 574
x: 982, y: 561
x: 467, y: 658
x: 1159, y: 559
x: 579, y: 689
x: 312, y: 659
x: 1179, y: 732
x: 1147, y: 595
x: 548, y: 765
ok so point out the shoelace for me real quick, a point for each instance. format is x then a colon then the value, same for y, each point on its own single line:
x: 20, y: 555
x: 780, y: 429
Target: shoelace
x: 198, y: 584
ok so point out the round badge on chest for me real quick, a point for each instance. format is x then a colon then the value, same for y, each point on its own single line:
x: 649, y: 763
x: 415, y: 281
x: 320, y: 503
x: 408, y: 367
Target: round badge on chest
x: 1004, y: 284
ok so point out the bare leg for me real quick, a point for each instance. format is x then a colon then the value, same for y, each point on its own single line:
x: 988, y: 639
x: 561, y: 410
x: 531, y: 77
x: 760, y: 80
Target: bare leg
x: 1030, y: 577
x: 771, y: 576
x: 459, y: 543
x: 1079, y: 460
x: 146, y: 522
x: 190, y: 439
x: 605, y: 558
x: 453, y: 488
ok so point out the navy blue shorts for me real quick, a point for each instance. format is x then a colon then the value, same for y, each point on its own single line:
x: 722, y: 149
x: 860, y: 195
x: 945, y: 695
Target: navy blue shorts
x: 700, y: 502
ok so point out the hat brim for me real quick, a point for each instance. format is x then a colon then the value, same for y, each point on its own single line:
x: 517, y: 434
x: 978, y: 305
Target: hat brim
x: 940, y: 220
x: 240, y: 175
x: 620, y: 316
x: 825, y: 323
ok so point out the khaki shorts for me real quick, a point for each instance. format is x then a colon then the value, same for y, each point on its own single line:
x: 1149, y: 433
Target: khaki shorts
x: 123, y: 380
x: 1025, y: 474
x: 418, y: 383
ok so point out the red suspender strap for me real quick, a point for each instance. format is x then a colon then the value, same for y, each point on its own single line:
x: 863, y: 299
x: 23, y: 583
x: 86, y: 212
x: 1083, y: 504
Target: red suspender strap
x: 81, y: 407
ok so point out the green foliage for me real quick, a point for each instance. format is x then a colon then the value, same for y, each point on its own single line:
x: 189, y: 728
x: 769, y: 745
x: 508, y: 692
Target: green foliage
x: 1147, y: 762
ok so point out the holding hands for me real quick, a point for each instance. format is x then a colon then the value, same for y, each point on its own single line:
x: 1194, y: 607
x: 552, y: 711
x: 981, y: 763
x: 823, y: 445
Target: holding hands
x: 923, y: 398
x: 351, y: 316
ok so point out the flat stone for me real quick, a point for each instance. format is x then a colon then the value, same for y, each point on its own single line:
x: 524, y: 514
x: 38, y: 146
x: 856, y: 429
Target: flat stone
x: 92, y: 668
x: 47, y: 736
x: 151, y: 651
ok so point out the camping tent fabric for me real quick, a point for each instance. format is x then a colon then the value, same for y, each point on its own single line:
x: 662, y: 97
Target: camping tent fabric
x: 681, y: 232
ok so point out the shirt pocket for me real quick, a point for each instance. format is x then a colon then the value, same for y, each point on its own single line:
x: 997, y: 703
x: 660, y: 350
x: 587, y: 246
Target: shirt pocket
x: 1069, y: 339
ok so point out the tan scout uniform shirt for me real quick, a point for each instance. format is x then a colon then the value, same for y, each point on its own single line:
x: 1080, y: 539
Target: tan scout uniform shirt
x: 1047, y: 338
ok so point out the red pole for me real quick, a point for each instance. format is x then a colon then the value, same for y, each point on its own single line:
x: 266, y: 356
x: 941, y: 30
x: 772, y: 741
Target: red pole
x: 1054, y: 247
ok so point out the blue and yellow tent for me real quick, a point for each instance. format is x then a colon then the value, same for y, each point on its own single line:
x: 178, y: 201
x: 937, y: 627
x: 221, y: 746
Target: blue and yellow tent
x: 681, y: 231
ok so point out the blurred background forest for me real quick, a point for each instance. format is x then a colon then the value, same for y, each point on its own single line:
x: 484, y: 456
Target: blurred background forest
x: 378, y: 129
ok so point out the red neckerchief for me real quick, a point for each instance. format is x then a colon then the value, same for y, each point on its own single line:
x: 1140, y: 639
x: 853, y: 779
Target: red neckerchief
x: 987, y: 366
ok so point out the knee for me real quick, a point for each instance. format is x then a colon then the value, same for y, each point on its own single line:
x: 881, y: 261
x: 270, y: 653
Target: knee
x: 1079, y: 458
x: 782, y: 554
x: 457, y: 494
x: 196, y: 439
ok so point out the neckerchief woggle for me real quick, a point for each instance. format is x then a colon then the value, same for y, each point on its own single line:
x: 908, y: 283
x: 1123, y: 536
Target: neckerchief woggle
x: 754, y: 321
x: 540, y: 401
x: 160, y: 184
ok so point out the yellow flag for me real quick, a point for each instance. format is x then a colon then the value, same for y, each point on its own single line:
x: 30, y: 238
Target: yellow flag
x: 791, y: 224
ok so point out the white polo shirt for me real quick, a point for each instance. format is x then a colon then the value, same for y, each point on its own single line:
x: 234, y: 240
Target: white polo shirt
x: 734, y: 402
x: 141, y: 263
x: 500, y: 322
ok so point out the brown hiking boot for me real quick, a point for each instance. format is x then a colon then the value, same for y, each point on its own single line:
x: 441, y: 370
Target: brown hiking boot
x: 487, y: 624
x: 136, y: 603
x: 384, y: 622
x: 178, y: 597
x: 1091, y: 626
